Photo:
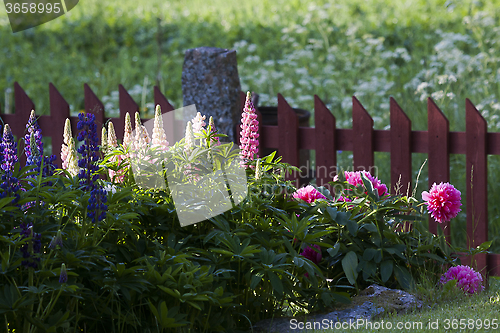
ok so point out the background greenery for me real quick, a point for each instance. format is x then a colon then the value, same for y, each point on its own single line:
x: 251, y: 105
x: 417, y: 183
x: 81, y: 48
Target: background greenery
x: 372, y: 49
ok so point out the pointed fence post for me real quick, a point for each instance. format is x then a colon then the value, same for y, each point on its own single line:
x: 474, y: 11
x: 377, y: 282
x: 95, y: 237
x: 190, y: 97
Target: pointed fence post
x: 94, y: 106
x: 23, y: 107
x: 126, y: 104
x: 400, y: 149
x: 169, y: 123
x: 288, y: 128
x: 59, y: 112
x: 477, y: 183
x: 362, y: 138
x: 439, y: 155
x: 326, y: 152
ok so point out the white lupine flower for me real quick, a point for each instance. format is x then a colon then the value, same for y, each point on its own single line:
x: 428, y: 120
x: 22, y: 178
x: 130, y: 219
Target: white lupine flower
x: 198, y: 123
x: 72, y: 161
x: 159, y: 138
x: 189, y: 138
x: 112, y: 141
x: 64, y: 148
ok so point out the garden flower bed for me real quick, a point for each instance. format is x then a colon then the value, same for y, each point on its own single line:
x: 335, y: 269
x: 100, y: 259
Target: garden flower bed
x: 86, y: 248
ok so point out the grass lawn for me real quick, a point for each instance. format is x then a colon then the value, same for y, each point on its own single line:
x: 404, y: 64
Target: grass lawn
x: 453, y: 312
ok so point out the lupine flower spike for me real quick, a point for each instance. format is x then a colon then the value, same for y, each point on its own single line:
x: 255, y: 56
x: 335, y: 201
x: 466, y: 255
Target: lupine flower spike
x: 141, y: 134
x: 33, y: 145
x: 104, y: 141
x: 443, y: 201
x: 159, y: 138
x: 72, y: 159
x: 249, y: 132
x: 198, y: 123
x: 127, y: 135
x: 189, y: 137
x: 112, y: 141
x: 56, y: 241
x: 8, y: 151
x: 64, y: 148
x: 63, y: 278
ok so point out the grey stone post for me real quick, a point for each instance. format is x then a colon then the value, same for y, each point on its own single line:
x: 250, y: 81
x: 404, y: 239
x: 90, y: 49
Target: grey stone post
x: 210, y: 81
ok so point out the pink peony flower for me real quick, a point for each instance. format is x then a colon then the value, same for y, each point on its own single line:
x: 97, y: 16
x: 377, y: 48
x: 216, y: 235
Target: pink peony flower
x: 308, y: 194
x: 354, y: 178
x: 467, y: 278
x: 311, y: 254
x: 249, y: 132
x: 443, y: 201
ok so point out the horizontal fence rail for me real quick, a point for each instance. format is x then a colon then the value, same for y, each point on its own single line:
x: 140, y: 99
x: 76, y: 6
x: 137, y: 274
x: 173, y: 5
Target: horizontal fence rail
x: 288, y: 138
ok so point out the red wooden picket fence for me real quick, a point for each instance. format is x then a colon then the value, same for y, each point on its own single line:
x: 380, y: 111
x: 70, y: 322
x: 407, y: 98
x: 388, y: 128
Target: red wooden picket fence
x: 288, y: 138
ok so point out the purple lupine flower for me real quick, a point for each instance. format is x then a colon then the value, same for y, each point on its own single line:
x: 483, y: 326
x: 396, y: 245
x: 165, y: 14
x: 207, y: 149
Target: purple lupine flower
x: 33, y: 132
x: 63, y: 277
x: 89, y: 150
x: 32, y: 247
x: 88, y: 175
x: 249, y: 132
x: 97, y: 208
x: 8, y: 151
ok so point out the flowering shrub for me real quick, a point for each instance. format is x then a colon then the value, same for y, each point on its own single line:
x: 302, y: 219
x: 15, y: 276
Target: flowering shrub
x: 467, y: 278
x: 100, y: 251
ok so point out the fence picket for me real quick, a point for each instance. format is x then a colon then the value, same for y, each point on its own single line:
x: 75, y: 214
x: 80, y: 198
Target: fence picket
x: 400, y: 148
x: 126, y: 104
x: 477, y: 182
x: 326, y: 153
x: 438, y: 155
x: 95, y: 106
x: 18, y: 121
x: 168, y: 117
x: 362, y: 137
x: 288, y: 128
x: 59, y: 111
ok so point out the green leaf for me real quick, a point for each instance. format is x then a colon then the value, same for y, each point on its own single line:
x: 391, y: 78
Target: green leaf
x: 484, y: 246
x: 342, y: 218
x: 352, y: 226
x: 403, y: 276
x: 332, y: 211
x: 369, y: 253
x: 349, y: 264
x: 275, y: 283
x: 386, y: 270
x: 256, y: 278
x: 332, y: 251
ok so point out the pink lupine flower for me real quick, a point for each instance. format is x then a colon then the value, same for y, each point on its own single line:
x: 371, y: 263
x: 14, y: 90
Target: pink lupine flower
x: 354, y: 178
x: 249, y: 132
x: 311, y: 254
x: 467, y: 278
x: 443, y: 201
x: 308, y: 194
x: 127, y: 134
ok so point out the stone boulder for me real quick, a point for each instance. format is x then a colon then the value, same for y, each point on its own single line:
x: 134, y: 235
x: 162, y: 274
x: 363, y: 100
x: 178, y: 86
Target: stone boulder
x: 370, y: 304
